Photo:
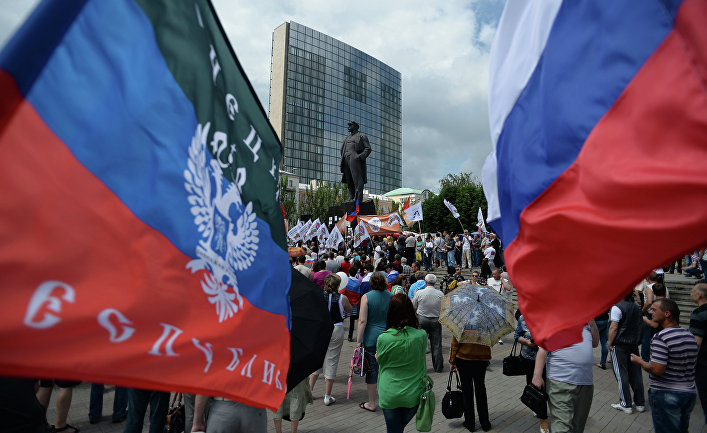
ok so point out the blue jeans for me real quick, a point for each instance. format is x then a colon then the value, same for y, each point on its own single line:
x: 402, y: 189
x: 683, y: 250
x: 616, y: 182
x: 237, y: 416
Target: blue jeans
x: 476, y: 258
x: 450, y: 258
x: 671, y: 410
x: 442, y: 257
x: 427, y: 260
x: 603, y: 326
x: 120, y: 403
x: 138, y: 399
x: 396, y: 419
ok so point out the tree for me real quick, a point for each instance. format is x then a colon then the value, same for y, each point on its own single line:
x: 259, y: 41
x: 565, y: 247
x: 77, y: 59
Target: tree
x: 462, y: 190
x: 395, y: 207
x: 288, y: 201
x: 316, y: 202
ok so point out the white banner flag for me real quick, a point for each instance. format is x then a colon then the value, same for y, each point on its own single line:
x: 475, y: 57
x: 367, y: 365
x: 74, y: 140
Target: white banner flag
x: 313, y: 230
x: 294, y: 233
x: 414, y: 212
x: 360, y: 234
x: 452, y: 208
x: 305, y: 228
x: 322, y: 234
x: 480, y: 221
x: 334, y: 240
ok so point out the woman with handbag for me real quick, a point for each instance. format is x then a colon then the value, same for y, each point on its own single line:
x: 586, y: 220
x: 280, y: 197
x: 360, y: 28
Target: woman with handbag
x: 528, y: 351
x: 471, y: 360
x: 401, y: 358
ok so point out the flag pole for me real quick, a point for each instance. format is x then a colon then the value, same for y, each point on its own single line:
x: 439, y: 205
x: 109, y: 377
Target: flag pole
x: 460, y: 223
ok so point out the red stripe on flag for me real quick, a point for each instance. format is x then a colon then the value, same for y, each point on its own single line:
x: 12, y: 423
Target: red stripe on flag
x: 633, y: 200
x: 60, y: 223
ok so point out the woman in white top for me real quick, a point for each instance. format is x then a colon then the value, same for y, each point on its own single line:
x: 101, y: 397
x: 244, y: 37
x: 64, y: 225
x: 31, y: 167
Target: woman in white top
x: 338, y: 305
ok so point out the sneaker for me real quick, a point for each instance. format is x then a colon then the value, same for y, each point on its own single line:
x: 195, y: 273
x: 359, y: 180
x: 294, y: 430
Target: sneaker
x: 329, y: 400
x: 640, y: 408
x: 628, y: 410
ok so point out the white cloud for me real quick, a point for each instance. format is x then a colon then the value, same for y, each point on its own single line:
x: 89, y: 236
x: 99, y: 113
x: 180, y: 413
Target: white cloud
x: 441, y: 50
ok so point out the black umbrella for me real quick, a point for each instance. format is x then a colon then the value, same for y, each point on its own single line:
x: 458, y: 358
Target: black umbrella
x: 310, y: 331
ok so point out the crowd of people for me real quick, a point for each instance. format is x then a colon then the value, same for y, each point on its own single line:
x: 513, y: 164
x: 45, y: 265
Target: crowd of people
x: 393, y: 303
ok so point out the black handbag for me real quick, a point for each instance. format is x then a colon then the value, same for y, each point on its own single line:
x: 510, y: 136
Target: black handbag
x: 513, y: 364
x: 453, y: 401
x: 175, y: 415
x: 534, y: 398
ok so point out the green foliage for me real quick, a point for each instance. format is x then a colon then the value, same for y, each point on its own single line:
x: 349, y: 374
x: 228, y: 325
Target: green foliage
x: 288, y: 201
x: 317, y: 202
x: 395, y: 207
x: 466, y: 193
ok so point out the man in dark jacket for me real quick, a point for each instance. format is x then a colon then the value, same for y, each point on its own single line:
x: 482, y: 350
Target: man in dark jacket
x: 624, y: 337
x: 354, y: 152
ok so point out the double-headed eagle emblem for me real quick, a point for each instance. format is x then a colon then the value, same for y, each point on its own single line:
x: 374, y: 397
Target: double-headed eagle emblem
x: 229, y: 230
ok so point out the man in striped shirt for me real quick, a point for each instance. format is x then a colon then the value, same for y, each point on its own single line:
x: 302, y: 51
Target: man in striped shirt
x: 671, y: 393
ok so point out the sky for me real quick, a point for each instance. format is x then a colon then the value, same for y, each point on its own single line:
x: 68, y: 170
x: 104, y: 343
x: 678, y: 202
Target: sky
x: 441, y: 50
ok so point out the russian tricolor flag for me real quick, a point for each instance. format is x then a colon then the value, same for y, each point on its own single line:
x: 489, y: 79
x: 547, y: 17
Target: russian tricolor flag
x: 598, y: 114
x: 141, y: 243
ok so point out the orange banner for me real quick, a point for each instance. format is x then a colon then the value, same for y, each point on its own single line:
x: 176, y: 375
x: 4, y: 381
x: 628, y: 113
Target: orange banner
x: 382, y: 224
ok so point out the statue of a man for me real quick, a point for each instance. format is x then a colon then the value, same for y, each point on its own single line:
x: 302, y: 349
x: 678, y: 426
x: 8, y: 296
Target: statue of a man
x: 354, y: 152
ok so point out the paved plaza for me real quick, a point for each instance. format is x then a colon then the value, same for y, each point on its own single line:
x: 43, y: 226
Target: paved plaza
x: 507, y: 413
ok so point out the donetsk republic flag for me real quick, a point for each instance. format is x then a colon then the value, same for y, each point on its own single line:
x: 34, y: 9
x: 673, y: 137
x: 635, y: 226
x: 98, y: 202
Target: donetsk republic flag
x: 141, y: 241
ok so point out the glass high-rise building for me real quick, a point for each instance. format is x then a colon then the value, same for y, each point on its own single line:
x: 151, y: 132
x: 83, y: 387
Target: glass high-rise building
x: 318, y: 84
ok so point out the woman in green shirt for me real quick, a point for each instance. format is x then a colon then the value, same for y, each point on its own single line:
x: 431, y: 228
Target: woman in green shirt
x: 402, y: 368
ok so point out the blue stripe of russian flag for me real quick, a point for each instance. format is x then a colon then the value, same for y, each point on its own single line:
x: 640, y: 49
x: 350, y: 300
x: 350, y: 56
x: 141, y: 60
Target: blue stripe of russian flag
x: 586, y: 51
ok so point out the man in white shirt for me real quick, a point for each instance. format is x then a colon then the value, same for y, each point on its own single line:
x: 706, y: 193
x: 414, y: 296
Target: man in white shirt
x: 428, y: 303
x: 466, y: 250
x: 490, y: 253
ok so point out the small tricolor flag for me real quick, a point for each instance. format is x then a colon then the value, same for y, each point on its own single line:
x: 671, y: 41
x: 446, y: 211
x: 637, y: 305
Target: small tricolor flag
x: 351, y: 216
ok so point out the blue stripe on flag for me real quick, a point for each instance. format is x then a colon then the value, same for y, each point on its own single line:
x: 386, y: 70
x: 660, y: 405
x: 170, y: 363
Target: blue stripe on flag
x: 107, y: 93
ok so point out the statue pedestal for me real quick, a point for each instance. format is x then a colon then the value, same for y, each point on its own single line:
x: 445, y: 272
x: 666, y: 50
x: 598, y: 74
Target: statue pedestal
x: 367, y: 207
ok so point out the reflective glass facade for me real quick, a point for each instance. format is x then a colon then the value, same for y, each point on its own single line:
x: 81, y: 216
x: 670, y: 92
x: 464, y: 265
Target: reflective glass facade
x: 317, y: 85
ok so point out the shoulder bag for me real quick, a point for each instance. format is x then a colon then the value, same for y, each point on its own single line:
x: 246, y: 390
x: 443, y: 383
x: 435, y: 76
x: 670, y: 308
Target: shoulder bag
x: 426, y: 408
x: 513, y: 364
x: 453, y: 401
